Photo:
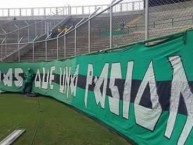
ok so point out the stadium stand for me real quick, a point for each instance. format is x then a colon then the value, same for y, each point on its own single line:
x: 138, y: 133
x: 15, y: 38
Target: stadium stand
x: 25, y: 48
x: 163, y: 20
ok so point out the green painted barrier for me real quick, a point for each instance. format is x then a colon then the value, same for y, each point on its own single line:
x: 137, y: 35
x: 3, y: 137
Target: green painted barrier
x: 143, y: 92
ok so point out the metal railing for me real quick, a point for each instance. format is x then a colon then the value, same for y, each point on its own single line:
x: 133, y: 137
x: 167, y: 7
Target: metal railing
x: 67, y: 10
x: 101, y: 30
x: 29, y: 31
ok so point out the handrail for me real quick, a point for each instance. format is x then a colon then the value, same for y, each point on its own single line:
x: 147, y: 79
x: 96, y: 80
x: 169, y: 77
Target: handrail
x: 20, y: 40
x: 4, y: 31
x: 35, y: 38
x: 3, y: 40
x: 93, y: 16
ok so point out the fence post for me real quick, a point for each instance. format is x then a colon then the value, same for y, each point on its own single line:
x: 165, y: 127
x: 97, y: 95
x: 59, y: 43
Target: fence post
x: 89, y: 27
x: 8, y: 12
x: 17, y: 32
x: 133, y: 6
x: 35, y: 28
x: 27, y: 30
x: 75, y: 36
x: 146, y: 19
x: 111, y: 21
x: 65, y: 45
x: 192, y: 18
x: 5, y: 39
x: 20, y: 14
x: 46, y: 50
x: 46, y: 47
x: 121, y: 7
x: 18, y: 52
x: 89, y: 39
x: 57, y: 43
x: 1, y: 48
x: 18, y: 49
x: 33, y: 49
x: 172, y: 22
x: 82, y: 10
x: 57, y: 46
x: 75, y: 41
x: 32, y: 11
x: 1, y: 52
x: 6, y: 43
x: 69, y: 10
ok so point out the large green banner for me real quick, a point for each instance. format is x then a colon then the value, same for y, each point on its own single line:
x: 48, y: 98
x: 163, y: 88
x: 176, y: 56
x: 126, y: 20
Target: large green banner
x: 143, y: 92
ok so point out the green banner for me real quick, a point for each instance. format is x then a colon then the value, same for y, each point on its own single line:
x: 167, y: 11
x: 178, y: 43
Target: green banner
x: 143, y: 92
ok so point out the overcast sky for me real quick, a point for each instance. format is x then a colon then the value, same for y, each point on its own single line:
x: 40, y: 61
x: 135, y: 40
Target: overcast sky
x: 51, y: 3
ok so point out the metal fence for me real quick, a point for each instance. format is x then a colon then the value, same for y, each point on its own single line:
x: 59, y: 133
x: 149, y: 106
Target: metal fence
x: 65, y: 10
x: 170, y: 18
x: 121, y: 22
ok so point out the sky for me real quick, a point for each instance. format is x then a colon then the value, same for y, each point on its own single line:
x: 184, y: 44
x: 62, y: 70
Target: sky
x: 48, y: 3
